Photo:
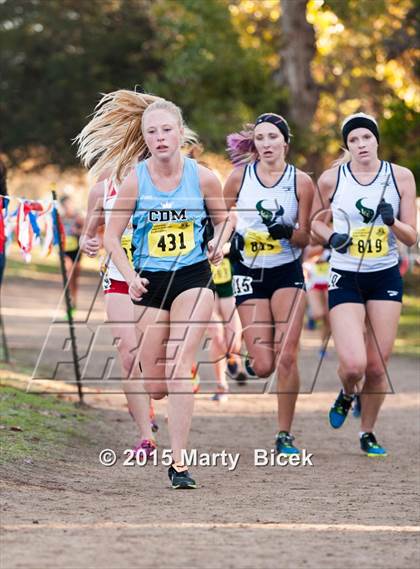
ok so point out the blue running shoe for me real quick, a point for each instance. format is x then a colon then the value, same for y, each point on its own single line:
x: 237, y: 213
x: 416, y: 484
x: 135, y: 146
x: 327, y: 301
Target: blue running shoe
x: 357, y: 407
x: 370, y: 446
x: 340, y: 409
x: 232, y: 364
x: 249, y: 369
x: 311, y: 324
x: 323, y: 353
x: 284, y: 443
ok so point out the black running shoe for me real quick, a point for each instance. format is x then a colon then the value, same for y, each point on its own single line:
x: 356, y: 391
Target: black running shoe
x: 340, y: 409
x: 371, y: 447
x: 181, y: 480
x: 241, y: 378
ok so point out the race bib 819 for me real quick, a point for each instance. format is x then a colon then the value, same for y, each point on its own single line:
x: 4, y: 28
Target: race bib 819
x: 369, y: 243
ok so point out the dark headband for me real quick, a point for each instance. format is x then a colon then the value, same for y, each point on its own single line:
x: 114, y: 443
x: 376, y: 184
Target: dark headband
x: 277, y: 121
x: 359, y: 122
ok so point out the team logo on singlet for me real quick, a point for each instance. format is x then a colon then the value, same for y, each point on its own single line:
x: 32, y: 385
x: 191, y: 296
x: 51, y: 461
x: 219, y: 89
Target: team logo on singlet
x: 267, y: 216
x: 367, y: 213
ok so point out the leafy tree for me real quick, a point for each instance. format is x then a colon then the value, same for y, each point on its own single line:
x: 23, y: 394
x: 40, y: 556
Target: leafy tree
x: 218, y: 82
x: 56, y: 57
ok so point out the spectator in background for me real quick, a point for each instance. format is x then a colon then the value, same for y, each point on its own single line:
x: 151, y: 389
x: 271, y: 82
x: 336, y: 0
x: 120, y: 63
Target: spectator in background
x: 3, y: 192
x: 73, y: 225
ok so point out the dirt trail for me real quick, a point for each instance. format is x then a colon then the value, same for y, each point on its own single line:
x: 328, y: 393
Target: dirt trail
x: 71, y: 512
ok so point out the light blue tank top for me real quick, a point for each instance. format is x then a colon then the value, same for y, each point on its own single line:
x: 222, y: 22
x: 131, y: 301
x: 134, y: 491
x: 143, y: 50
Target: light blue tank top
x: 168, y: 227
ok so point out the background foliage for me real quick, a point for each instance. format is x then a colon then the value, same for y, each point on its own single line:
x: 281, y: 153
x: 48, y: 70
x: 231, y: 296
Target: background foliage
x: 222, y: 61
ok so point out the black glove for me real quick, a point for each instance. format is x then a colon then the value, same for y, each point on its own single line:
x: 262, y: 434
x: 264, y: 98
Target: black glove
x: 340, y: 242
x: 386, y: 211
x: 236, y: 246
x: 280, y: 231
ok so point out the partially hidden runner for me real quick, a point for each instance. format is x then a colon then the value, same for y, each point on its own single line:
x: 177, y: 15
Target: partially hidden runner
x: 316, y: 267
x: 118, y: 305
x: 225, y: 330
x: 72, y: 222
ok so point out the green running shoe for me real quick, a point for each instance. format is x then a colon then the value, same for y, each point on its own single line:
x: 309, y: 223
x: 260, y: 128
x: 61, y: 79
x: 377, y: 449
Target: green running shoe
x: 370, y: 446
x: 181, y: 480
x: 284, y: 443
x: 340, y: 409
x: 249, y: 369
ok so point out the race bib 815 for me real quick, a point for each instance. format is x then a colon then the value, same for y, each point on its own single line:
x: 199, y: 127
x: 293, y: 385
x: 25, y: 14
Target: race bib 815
x: 260, y: 243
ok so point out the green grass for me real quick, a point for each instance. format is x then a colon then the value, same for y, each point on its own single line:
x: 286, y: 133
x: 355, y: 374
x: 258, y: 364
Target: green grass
x: 44, y: 425
x: 17, y: 267
x: 408, y: 338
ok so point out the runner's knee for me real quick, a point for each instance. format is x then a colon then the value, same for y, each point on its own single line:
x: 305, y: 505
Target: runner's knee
x: 156, y: 388
x: 287, y: 361
x: 353, y: 370
x: 263, y: 368
x: 375, y: 372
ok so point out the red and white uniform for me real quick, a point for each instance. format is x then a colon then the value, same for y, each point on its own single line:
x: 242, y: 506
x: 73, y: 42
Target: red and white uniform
x: 113, y: 281
x: 316, y: 273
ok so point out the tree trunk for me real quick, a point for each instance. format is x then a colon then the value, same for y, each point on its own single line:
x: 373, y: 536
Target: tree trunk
x: 298, y: 50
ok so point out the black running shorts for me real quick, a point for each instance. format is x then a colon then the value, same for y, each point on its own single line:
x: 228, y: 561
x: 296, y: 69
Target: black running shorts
x: 262, y: 283
x: 165, y: 286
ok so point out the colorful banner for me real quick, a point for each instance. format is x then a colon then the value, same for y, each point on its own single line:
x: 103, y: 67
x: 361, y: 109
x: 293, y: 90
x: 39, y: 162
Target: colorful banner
x: 33, y: 222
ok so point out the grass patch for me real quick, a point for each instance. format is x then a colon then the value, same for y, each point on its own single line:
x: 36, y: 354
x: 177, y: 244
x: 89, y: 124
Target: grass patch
x: 17, y: 267
x: 34, y: 425
x: 408, y: 337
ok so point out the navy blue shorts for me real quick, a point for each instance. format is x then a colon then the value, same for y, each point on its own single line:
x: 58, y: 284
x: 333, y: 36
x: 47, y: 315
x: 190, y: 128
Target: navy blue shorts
x: 263, y: 283
x: 351, y: 286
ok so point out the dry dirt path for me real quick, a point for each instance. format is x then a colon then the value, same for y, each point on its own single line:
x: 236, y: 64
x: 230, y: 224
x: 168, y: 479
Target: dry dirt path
x: 71, y: 512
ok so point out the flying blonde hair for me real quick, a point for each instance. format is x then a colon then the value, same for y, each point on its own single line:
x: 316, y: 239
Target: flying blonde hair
x: 113, y: 139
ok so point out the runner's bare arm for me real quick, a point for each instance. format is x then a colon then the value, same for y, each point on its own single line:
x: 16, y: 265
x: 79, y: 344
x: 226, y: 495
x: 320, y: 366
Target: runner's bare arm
x: 232, y: 186
x: 305, y: 193
x: 123, y: 209
x: 404, y: 228
x: 213, y: 196
x: 94, y: 215
x: 321, y: 230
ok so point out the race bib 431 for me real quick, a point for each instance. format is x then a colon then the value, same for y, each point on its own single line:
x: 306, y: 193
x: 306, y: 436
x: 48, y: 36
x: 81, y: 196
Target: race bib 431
x: 171, y: 239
